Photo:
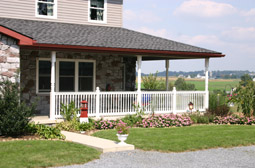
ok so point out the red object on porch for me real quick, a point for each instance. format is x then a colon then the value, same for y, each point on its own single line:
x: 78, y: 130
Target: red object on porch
x: 84, y: 109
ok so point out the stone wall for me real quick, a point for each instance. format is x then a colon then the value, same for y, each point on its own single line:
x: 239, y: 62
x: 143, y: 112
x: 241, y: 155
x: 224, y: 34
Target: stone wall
x: 110, y: 69
x: 9, y: 58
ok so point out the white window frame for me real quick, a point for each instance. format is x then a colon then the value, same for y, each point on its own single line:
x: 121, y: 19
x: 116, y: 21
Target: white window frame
x: 55, y: 10
x: 105, y: 13
x: 76, y: 75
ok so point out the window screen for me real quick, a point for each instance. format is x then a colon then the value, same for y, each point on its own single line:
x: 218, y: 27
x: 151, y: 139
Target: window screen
x: 44, y: 76
x: 86, y: 72
x: 45, y: 7
x: 97, y: 10
x: 66, y: 76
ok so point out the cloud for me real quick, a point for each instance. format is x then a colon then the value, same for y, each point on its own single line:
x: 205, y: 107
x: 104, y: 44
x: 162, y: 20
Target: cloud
x: 156, y: 32
x: 249, y: 15
x: 129, y: 15
x: 141, y: 16
x: 205, y: 9
x: 200, y: 39
x: 240, y: 34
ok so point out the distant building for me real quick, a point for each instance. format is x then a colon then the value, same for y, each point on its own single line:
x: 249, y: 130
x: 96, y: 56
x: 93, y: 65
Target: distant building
x: 200, y: 77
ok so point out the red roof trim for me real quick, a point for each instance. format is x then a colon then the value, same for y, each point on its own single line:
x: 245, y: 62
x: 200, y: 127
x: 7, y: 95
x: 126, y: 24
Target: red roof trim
x: 120, y: 50
x: 23, y: 40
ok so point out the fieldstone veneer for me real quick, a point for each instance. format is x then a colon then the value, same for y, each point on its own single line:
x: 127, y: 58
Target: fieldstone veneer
x: 110, y: 69
x: 9, y: 58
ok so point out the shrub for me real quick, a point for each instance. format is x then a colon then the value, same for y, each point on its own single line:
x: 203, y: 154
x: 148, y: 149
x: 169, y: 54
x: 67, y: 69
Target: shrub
x: 75, y: 125
x: 69, y: 111
x: 48, y: 132
x: 72, y: 125
x: 245, y: 79
x: 86, y: 126
x: 217, y: 104
x: 150, y: 82
x: 14, y: 114
x: 167, y: 120
x: 222, y: 110
x: 66, y: 126
x: 244, y: 98
x: 44, y: 131
x: 181, y: 84
x: 197, y: 118
x: 132, y: 120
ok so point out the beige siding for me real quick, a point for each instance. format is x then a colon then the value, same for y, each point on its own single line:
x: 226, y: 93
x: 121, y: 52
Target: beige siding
x: 69, y: 11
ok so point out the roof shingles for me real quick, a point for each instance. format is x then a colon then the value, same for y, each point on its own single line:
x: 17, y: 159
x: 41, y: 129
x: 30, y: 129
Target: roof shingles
x: 94, y: 36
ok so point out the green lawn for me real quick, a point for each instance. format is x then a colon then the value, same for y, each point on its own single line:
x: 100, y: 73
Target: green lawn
x: 44, y: 154
x: 215, y: 84
x: 186, y: 138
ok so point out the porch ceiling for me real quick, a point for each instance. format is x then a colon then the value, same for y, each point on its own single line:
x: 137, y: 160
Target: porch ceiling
x: 100, y: 39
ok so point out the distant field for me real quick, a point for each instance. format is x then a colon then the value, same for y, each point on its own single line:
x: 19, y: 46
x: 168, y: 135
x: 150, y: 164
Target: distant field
x: 214, y: 84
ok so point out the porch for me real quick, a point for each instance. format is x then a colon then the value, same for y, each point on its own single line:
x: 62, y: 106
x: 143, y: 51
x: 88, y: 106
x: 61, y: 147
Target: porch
x: 60, y: 65
x: 120, y: 103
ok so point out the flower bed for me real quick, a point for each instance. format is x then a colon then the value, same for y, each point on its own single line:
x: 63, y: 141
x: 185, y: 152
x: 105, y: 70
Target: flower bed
x: 167, y: 120
x: 234, y: 120
x: 157, y: 121
x: 105, y: 124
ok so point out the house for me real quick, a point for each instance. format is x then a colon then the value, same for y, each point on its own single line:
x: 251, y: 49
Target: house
x: 76, y: 50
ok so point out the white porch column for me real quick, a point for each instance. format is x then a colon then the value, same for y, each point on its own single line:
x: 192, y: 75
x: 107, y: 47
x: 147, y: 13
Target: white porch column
x: 207, y: 83
x: 167, y: 69
x: 174, y: 100
x: 52, y: 92
x: 139, y: 80
x: 97, y: 102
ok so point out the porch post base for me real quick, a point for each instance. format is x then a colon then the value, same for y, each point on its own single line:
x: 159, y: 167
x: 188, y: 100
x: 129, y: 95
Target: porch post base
x: 52, y: 106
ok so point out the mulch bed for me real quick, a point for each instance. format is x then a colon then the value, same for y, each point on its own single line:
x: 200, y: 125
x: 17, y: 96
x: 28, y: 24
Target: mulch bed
x: 24, y: 137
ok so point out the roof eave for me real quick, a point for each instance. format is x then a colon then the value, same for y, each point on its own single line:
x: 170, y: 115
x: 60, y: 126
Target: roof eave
x: 57, y: 47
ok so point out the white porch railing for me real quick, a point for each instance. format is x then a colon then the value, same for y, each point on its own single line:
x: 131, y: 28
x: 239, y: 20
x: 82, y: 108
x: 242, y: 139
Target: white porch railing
x: 122, y: 103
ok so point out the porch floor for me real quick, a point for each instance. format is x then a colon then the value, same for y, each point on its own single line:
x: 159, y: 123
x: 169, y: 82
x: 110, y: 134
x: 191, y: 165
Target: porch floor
x: 100, y: 144
x: 45, y: 120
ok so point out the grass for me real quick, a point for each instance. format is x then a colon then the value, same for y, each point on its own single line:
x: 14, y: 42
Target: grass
x: 214, y: 84
x: 186, y: 138
x: 21, y: 154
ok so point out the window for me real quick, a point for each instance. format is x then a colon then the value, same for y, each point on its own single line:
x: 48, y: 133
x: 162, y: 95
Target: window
x: 44, y: 76
x: 46, y: 8
x: 86, y: 72
x: 71, y: 75
x: 66, y: 76
x: 75, y: 75
x: 97, y: 10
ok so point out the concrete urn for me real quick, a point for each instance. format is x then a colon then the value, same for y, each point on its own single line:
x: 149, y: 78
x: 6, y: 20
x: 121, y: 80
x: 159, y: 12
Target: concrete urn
x: 122, y: 138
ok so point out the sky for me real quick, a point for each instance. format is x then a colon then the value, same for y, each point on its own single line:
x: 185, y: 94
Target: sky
x: 226, y: 26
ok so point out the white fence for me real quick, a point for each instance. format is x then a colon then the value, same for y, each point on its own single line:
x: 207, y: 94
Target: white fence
x: 122, y: 103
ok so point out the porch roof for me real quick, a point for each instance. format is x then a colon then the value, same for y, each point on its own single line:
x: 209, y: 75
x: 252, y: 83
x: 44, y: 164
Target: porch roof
x: 60, y: 36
